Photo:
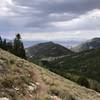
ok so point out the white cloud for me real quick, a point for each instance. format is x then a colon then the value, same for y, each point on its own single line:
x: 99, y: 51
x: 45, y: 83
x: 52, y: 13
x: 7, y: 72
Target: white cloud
x: 88, y: 21
x: 50, y: 19
x: 4, y: 7
x: 62, y: 36
x: 10, y: 8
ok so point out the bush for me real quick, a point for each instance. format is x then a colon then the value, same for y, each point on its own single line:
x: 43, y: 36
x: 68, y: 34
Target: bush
x: 83, y: 82
x: 7, y: 83
x: 11, y: 61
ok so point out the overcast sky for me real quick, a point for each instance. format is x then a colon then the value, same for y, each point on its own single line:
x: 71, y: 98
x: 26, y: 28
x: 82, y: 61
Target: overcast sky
x: 58, y: 20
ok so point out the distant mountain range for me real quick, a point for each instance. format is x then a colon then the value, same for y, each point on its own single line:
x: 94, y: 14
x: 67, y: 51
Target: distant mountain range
x: 47, y: 49
x: 90, y: 44
x: 67, y: 43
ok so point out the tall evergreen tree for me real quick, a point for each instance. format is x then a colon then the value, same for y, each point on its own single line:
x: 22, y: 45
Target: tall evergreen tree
x: 0, y: 42
x: 4, y: 44
x: 9, y: 47
x: 19, y: 47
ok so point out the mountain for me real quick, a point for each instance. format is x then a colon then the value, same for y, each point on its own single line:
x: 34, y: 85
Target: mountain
x: 48, y: 49
x: 22, y: 80
x: 90, y: 44
x: 67, y: 43
x: 85, y: 64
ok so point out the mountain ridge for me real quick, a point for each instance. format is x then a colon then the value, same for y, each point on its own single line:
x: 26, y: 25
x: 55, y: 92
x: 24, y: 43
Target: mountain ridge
x: 89, y: 44
x: 47, y: 49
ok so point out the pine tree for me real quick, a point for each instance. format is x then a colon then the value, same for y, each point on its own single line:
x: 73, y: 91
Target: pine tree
x: 9, y: 47
x: 0, y: 42
x: 4, y: 44
x: 19, y: 47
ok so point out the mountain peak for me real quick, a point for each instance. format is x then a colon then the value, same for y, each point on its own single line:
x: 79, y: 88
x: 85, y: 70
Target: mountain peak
x: 47, y: 49
x: 47, y: 43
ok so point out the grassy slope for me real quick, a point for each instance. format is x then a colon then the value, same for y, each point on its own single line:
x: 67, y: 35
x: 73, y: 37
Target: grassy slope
x: 18, y: 74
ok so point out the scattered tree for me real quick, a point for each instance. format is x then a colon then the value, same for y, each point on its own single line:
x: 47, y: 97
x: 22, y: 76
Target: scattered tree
x: 83, y: 82
x: 4, y: 44
x: 0, y: 42
x: 16, y: 48
x: 9, y: 47
x: 19, y: 47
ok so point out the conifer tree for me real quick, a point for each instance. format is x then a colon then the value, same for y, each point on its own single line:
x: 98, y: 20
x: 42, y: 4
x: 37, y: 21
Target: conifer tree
x: 9, y: 47
x: 19, y: 47
x: 4, y: 44
x: 0, y: 42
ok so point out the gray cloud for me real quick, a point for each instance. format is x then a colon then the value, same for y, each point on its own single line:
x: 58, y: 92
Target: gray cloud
x: 38, y: 15
x: 41, y: 13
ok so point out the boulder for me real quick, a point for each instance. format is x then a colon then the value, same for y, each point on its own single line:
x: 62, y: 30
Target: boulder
x: 4, y: 98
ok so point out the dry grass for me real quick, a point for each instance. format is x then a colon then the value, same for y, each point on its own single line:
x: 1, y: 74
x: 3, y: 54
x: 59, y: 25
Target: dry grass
x: 14, y: 82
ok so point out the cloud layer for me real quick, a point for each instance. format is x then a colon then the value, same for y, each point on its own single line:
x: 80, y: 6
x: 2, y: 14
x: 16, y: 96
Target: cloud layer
x: 50, y: 19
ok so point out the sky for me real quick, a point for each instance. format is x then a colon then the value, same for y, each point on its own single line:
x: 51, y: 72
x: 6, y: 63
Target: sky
x: 50, y: 20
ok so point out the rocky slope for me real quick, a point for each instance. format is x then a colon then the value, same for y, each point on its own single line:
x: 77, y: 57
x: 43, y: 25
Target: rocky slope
x: 22, y: 80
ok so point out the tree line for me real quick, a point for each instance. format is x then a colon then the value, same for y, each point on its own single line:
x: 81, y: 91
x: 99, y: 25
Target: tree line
x: 16, y: 46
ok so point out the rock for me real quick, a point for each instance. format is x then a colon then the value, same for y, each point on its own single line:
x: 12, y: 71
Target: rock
x: 32, y: 87
x: 1, y: 68
x: 2, y: 62
x: 17, y: 89
x: 19, y: 65
x: 38, y: 84
x: 3, y: 65
x: 55, y: 98
x: 4, y: 98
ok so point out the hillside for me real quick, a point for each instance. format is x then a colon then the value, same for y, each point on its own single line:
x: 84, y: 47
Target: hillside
x: 48, y: 49
x: 84, y: 64
x: 90, y: 44
x: 22, y: 80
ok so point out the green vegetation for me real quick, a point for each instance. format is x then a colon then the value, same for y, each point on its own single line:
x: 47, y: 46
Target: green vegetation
x: 93, y: 43
x: 83, y: 64
x: 78, y: 65
x: 16, y: 48
x: 84, y: 82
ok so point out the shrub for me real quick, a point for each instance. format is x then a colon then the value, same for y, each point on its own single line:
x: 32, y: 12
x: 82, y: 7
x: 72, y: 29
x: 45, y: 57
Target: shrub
x: 47, y: 97
x: 7, y: 83
x: 14, y: 98
x: 61, y: 93
x: 11, y: 61
x: 84, y: 82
